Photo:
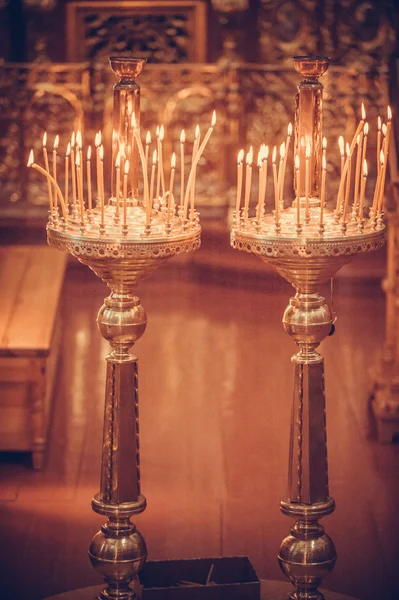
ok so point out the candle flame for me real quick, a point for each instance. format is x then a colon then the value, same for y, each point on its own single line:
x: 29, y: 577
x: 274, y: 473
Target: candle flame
x: 154, y: 157
x: 77, y: 159
x: 379, y: 123
x: 173, y: 161
x: 79, y: 139
x: 358, y: 139
x: 31, y: 159
x: 307, y: 151
x: 324, y: 143
x: 96, y: 140
x: 197, y: 131
x: 323, y: 163
x: 157, y: 131
x: 127, y: 166
x: 266, y: 153
x: 148, y: 138
x: 44, y: 139
x: 274, y: 155
x: 282, y: 150
x: 118, y: 160
x: 101, y: 152
x: 260, y: 154
x: 134, y: 124
x: 366, y: 129
x: 365, y: 169
x: 341, y: 144
x: 384, y: 129
x: 68, y: 150
x: 382, y: 157
x: 56, y: 141
x: 389, y: 113
x: 240, y: 156
x: 363, y: 113
x: 249, y: 156
x: 289, y: 130
x: 213, y: 122
x: 89, y: 153
x: 73, y: 139
x: 297, y: 162
x: 182, y: 136
x: 161, y: 133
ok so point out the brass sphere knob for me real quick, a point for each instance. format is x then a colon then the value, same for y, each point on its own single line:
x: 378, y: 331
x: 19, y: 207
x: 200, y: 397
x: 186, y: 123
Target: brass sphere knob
x: 122, y: 320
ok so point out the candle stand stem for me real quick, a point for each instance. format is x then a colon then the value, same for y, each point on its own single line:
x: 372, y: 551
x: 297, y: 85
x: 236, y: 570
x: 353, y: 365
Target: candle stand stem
x: 118, y: 551
x: 307, y: 554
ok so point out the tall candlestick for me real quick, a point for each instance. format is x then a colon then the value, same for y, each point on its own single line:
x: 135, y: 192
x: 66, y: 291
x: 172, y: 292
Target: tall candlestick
x: 194, y: 154
x: 154, y: 162
x: 307, y: 183
x: 56, y: 142
x: 125, y: 175
x: 73, y: 173
x: 31, y: 163
x: 46, y: 166
x: 323, y: 187
x: 240, y: 160
x: 67, y: 153
x: 171, y: 182
x: 147, y: 147
x: 362, y: 190
x: 248, y: 177
x: 378, y: 143
x: 275, y: 180
x: 298, y: 190
x: 118, y: 183
x: 89, y: 194
x: 182, y: 141
x: 280, y: 172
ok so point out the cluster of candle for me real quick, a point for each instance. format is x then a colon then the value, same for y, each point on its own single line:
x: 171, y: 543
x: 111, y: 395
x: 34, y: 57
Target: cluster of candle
x: 353, y: 180
x: 155, y: 194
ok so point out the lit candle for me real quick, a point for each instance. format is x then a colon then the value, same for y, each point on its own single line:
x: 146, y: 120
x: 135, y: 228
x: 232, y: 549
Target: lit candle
x: 161, y: 137
x: 67, y: 153
x: 56, y: 142
x: 31, y: 163
x: 388, y: 132
x: 307, y: 182
x: 298, y: 190
x: 79, y: 146
x: 49, y: 191
x: 384, y: 134
x: 194, y: 154
x: 384, y: 165
x: 154, y: 162
x: 260, y: 168
x: 280, y: 171
x: 365, y: 138
x: 275, y: 180
x: 89, y: 195
x: 362, y: 190
x: 147, y: 147
x: 265, y: 156
x: 348, y: 183
x: 240, y: 160
x: 125, y: 175
x: 323, y: 187
x: 196, y: 160
x: 118, y: 183
x: 341, y: 144
x: 73, y: 174
x: 287, y: 144
x: 182, y: 141
x: 357, y: 172
x: 248, y: 177
x: 102, y: 199
x: 340, y: 194
x: 378, y: 142
x: 98, y: 168
x: 377, y: 185
x: 147, y: 202
x: 80, y: 187
x: 171, y: 182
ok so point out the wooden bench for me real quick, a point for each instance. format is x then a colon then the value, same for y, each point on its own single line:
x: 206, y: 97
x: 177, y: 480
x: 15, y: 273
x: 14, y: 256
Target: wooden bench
x: 31, y: 279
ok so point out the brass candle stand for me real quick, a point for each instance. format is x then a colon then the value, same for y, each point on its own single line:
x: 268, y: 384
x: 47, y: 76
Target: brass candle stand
x: 123, y: 240
x: 307, y: 244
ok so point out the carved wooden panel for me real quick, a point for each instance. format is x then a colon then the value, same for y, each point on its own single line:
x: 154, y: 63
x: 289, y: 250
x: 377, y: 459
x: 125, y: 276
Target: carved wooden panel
x: 164, y: 31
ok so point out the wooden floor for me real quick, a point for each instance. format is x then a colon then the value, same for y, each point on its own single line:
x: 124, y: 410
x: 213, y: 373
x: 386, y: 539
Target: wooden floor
x: 215, y: 396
